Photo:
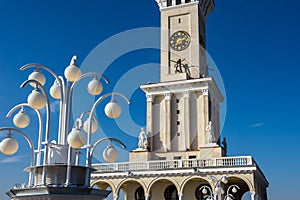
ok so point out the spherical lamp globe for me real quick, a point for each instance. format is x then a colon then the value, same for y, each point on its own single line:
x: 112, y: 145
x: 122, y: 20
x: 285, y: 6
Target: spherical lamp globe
x: 36, y: 99
x: 95, y: 125
x: 76, y: 138
x: 9, y: 146
x: 110, y: 154
x: 38, y: 76
x: 95, y: 87
x: 72, y: 73
x: 21, y: 120
x: 112, y: 109
x: 55, y: 91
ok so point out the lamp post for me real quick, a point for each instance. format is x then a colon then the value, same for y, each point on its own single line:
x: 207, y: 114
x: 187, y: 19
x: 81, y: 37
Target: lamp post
x: 205, y: 190
x: 233, y: 189
x: 218, y: 186
x: 58, y: 174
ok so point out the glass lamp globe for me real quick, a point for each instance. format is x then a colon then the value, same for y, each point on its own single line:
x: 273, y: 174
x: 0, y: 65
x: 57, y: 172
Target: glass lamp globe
x: 21, y: 120
x: 9, y: 146
x: 73, y: 73
x: 204, y: 191
x: 76, y: 138
x: 38, y: 76
x: 110, y: 154
x: 234, y: 190
x: 95, y: 125
x: 36, y: 99
x: 112, y: 109
x: 95, y: 87
x: 55, y: 91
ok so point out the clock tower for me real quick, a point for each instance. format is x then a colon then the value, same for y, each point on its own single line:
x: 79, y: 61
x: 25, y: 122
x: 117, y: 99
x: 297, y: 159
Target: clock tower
x: 179, y: 154
x: 183, y: 38
x: 183, y: 109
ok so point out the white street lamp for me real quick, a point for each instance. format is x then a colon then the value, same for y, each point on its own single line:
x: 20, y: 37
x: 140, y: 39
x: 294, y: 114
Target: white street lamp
x: 9, y: 145
x: 95, y: 87
x: 38, y: 76
x: 234, y: 189
x: 36, y: 99
x: 73, y: 72
x: 76, y: 138
x: 112, y: 109
x: 55, y: 90
x: 110, y: 154
x: 95, y: 125
x: 21, y: 120
x: 61, y: 151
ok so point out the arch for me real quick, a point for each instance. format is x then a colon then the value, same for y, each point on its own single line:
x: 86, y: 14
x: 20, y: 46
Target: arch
x: 106, y: 181
x: 191, y: 178
x: 173, y: 181
x: 141, y: 183
x: 246, y: 180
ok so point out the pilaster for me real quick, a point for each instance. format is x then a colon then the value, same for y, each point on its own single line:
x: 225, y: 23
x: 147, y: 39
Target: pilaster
x: 167, y: 127
x: 149, y: 128
x: 186, y: 116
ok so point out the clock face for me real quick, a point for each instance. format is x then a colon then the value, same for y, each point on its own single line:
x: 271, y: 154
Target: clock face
x: 180, y: 40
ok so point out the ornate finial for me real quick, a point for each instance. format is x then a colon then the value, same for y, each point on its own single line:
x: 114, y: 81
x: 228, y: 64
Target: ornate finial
x: 74, y: 58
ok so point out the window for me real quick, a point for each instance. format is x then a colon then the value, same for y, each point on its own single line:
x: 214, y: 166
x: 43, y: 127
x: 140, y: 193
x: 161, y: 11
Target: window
x: 187, y: 1
x: 139, y: 194
x: 178, y: 112
x: 178, y: 2
x: 169, y: 2
x: 171, y: 193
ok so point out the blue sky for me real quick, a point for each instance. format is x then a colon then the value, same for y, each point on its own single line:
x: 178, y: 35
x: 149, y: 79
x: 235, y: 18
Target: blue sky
x: 254, y: 43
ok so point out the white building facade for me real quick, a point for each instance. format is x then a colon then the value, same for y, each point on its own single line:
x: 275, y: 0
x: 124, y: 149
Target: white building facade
x: 180, y: 155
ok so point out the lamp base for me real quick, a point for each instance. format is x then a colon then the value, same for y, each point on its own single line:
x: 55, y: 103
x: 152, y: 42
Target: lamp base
x: 58, y: 193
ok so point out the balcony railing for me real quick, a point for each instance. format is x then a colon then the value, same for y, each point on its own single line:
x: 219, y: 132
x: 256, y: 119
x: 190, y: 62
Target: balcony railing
x: 243, y: 161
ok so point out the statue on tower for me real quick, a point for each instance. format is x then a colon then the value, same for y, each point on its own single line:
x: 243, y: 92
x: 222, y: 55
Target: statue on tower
x: 211, y: 133
x: 143, y: 142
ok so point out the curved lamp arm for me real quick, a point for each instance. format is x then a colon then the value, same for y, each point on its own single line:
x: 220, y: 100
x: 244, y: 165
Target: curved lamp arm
x: 104, y: 139
x: 70, y: 100
x: 94, y: 108
x: 207, y: 188
x: 39, y: 66
x: 47, y: 104
x: 30, y: 145
x: 60, y: 82
x: 228, y: 191
x: 40, y: 126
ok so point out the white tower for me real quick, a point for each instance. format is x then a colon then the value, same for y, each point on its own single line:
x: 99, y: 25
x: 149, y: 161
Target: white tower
x: 183, y: 110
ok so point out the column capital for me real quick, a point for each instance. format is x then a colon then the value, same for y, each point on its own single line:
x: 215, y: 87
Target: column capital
x: 205, y: 92
x: 186, y: 94
x: 167, y: 96
x: 149, y: 98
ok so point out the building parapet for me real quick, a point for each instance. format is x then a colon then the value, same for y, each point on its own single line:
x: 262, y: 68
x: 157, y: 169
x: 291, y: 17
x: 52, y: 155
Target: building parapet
x: 241, y: 161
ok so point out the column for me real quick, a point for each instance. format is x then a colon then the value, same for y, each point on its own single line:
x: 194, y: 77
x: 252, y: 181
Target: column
x: 116, y: 197
x: 147, y: 197
x: 180, y: 196
x: 253, y: 196
x: 168, y: 121
x: 149, y: 130
x: 202, y: 112
x: 186, y: 119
